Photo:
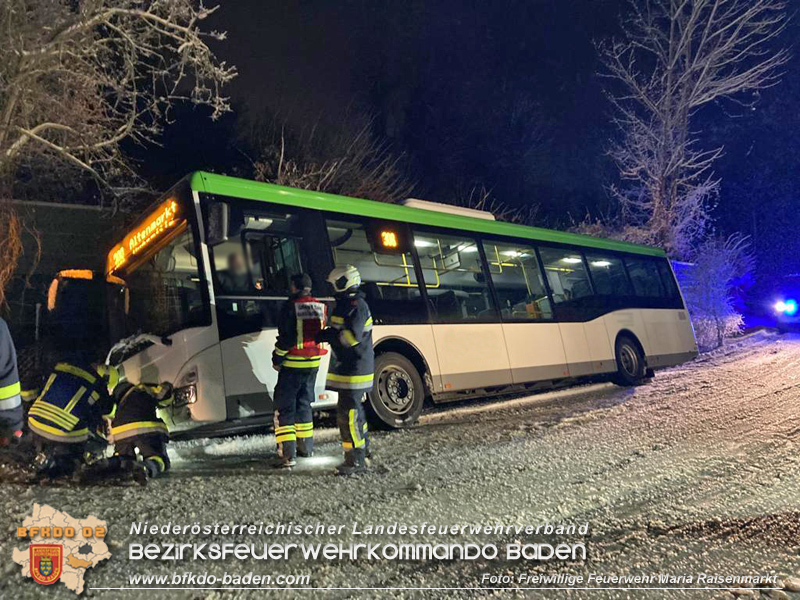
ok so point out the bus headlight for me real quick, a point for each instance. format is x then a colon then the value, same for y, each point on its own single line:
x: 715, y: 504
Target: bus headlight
x: 186, y: 395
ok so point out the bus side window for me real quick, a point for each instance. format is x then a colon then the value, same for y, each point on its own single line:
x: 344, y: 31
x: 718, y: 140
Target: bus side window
x: 645, y: 277
x: 608, y: 275
x: 565, y: 274
x: 517, y: 279
x: 454, y: 278
x: 668, y: 279
x: 388, y: 281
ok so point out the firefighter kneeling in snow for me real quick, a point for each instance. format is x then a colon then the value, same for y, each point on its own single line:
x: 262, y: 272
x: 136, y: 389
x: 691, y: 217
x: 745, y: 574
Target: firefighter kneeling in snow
x: 137, y: 425
x: 67, y: 413
x: 352, y: 366
x: 296, y: 358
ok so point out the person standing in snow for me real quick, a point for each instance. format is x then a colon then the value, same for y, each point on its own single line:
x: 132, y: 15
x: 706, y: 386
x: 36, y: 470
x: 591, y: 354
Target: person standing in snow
x: 296, y: 358
x: 352, y: 368
x: 10, y: 389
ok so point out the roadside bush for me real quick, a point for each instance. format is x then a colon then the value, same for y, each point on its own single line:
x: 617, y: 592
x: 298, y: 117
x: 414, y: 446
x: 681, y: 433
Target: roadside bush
x: 710, y: 288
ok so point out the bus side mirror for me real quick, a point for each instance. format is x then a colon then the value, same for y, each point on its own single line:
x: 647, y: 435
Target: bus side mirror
x: 217, y: 225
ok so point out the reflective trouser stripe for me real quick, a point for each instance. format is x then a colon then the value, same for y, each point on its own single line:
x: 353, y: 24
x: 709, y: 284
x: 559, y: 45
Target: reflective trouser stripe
x: 358, y: 437
x: 304, y: 430
x: 159, y: 461
x: 122, y: 432
x: 9, y: 391
x: 337, y: 320
x: 51, y: 433
x: 12, y: 402
x: 285, y: 433
x: 349, y: 382
x: 350, y: 378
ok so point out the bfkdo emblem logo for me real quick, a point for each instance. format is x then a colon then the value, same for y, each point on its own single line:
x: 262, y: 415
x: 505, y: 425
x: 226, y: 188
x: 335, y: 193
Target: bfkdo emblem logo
x: 46, y: 562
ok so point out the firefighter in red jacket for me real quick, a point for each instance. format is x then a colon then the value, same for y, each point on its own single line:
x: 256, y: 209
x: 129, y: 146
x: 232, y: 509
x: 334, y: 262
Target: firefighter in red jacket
x: 296, y: 358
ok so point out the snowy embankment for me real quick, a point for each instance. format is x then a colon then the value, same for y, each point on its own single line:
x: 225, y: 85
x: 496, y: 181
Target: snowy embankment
x: 696, y: 472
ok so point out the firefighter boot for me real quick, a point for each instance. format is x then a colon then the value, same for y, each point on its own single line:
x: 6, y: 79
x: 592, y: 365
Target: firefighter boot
x: 287, y: 451
x: 354, y: 463
x: 305, y: 447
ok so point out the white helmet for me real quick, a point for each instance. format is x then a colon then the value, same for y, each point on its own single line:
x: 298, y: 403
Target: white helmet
x: 344, y: 278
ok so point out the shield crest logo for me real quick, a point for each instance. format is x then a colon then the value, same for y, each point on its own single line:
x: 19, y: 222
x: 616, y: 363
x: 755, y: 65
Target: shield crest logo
x: 46, y: 562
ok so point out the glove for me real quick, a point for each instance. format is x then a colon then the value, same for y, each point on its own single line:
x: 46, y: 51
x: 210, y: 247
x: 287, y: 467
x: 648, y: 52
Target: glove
x: 327, y: 335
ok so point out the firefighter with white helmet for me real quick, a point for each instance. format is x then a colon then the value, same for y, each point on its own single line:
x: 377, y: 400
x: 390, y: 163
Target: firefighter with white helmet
x: 352, y: 367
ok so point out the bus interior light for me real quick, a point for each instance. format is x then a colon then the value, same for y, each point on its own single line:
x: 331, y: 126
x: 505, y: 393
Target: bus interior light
x: 572, y: 260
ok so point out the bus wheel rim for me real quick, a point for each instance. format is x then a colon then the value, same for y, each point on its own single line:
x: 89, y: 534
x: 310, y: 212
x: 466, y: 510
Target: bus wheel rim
x: 396, y: 390
x: 629, y: 360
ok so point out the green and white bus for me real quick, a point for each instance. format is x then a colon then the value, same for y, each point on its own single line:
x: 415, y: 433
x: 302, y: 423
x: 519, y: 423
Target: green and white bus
x: 463, y: 305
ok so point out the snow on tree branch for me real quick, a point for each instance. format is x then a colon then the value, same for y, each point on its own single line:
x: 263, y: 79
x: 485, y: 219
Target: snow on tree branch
x: 78, y: 78
x: 675, y: 57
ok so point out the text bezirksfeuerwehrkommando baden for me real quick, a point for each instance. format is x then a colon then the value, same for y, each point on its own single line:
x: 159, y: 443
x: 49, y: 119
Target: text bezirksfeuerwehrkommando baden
x: 355, y: 528
x: 282, y: 548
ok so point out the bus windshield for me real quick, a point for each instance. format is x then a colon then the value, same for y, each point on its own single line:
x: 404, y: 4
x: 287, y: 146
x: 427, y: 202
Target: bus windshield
x: 157, y: 260
x: 165, y: 291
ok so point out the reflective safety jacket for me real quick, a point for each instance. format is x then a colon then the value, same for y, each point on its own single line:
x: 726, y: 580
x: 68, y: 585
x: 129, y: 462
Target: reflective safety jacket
x: 300, y: 320
x: 136, y: 411
x: 353, y: 361
x: 73, y: 400
x: 10, y: 390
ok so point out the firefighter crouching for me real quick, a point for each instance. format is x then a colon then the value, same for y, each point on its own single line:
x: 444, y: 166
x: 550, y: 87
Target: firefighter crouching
x: 136, y: 425
x: 296, y: 358
x: 352, y: 364
x: 10, y: 389
x: 69, y: 412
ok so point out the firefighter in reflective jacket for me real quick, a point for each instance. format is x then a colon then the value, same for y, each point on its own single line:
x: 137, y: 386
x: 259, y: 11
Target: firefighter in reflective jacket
x: 136, y: 425
x: 352, y: 365
x: 296, y: 358
x: 10, y: 390
x: 67, y: 413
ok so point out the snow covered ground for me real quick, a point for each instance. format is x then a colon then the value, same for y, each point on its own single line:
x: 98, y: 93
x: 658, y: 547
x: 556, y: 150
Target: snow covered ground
x: 697, y: 472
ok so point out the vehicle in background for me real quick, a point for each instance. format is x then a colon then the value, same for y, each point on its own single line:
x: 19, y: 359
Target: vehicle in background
x: 786, y: 306
x: 463, y: 305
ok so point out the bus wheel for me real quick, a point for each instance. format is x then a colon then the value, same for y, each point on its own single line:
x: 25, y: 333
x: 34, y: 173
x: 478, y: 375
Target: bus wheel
x: 397, y: 398
x: 631, y: 369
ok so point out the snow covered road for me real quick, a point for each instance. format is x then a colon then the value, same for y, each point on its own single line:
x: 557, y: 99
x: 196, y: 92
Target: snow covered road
x: 697, y: 472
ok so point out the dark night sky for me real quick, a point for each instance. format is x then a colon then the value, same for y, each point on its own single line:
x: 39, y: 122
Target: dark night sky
x: 443, y: 79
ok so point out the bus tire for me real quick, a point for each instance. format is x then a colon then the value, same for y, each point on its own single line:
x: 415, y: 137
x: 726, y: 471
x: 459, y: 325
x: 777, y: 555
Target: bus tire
x: 398, y: 396
x: 631, y: 368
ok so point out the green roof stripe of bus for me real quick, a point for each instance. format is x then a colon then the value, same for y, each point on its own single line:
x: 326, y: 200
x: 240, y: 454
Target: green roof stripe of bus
x: 266, y: 192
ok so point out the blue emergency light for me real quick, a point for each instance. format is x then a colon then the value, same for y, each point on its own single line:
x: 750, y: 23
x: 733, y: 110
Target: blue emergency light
x: 786, y: 307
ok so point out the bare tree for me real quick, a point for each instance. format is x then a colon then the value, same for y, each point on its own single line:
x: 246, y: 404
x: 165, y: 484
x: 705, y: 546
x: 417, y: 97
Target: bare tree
x: 479, y: 197
x: 347, y: 160
x: 10, y: 246
x: 676, y: 57
x: 78, y: 78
